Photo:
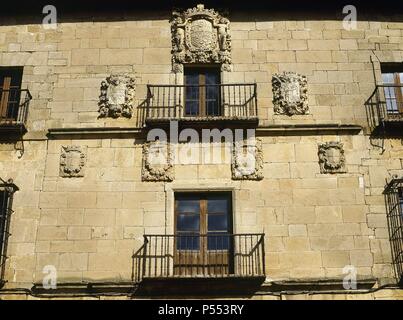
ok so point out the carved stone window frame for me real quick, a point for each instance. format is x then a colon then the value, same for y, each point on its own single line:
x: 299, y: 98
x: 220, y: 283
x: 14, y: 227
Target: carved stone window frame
x: 281, y: 84
x: 125, y: 109
x: 325, y: 162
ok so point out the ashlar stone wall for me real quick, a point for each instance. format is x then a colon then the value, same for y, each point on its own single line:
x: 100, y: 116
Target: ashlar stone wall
x: 88, y: 227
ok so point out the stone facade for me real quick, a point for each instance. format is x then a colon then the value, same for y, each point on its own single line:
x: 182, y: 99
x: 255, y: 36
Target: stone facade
x: 89, y: 225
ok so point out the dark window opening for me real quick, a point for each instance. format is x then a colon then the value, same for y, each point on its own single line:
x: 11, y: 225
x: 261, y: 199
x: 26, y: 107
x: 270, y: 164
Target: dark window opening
x: 392, y: 78
x: 10, y: 92
x: 207, y: 214
x: 6, y: 196
x: 394, y: 206
x: 202, y: 91
x: 203, y: 233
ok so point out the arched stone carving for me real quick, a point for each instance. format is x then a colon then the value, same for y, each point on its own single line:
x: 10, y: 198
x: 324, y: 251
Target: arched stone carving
x: 72, y: 161
x: 200, y: 35
x: 290, y: 94
x: 247, y: 160
x: 117, y: 96
x: 331, y: 157
x: 157, y: 162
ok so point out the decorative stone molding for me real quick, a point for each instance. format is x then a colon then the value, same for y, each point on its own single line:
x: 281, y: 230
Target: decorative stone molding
x: 290, y: 93
x: 72, y: 161
x: 157, y: 162
x: 331, y: 157
x: 200, y: 35
x: 117, y: 96
x: 247, y: 160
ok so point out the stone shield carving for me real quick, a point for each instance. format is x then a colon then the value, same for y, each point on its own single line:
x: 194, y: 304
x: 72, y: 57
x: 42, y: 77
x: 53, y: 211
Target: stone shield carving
x: 331, y: 157
x: 290, y: 94
x: 157, y: 162
x: 247, y: 160
x: 72, y: 161
x: 200, y: 35
x: 117, y: 96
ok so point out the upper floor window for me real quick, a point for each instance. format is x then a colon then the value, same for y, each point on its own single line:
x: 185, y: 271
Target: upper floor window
x: 14, y: 102
x: 392, y: 78
x: 10, y: 92
x: 202, y: 91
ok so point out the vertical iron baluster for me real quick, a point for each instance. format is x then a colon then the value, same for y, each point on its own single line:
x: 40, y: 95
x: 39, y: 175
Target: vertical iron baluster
x: 171, y: 109
x: 186, y: 253
x: 239, y: 101
x: 222, y: 256
x: 229, y: 100
x: 168, y: 256
x: 258, y: 262
x: 252, y: 255
x: 162, y: 255
x: 180, y: 254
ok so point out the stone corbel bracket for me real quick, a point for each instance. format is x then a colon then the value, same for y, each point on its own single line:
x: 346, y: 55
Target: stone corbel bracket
x: 331, y: 157
x: 157, y: 163
x: 290, y: 93
x: 247, y: 160
x: 72, y: 161
x: 117, y: 96
x: 200, y: 35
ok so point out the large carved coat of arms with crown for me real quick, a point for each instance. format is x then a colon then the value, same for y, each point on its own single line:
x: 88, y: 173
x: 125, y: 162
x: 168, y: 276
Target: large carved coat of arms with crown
x: 200, y: 35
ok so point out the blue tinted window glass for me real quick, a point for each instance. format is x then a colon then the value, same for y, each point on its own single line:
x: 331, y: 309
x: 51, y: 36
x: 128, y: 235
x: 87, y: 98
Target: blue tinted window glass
x: 187, y: 242
x: 217, y: 205
x: 188, y: 222
x: 217, y: 241
x: 217, y: 222
x: 189, y: 206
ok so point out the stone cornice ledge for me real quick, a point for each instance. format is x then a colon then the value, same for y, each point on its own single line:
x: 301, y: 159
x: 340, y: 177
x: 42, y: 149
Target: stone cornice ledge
x: 314, y: 285
x: 292, y: 129
x: 97, y: 131
x: 275, y: 129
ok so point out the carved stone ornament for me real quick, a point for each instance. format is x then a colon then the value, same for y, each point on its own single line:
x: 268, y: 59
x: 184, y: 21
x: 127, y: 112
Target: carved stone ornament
x: 117, y: 96
x: 331, y: 157
x: 200, y: 35
x: 290, y: 94
x: 247, y: 160
x: 72, y: 161
x: 157, y: 162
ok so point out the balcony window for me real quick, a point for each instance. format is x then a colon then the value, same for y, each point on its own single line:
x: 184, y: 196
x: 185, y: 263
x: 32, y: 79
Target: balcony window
x: 202, y: 97
x: 202, y: 92
x: 14, y: 101
x: 10, y: 85
x: 384, y: 107
x: 203, y: 245
x: 203, y: 226
x: 392, y: 77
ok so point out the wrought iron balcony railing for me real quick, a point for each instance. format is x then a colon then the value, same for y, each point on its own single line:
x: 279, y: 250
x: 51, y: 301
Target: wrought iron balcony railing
x: 200, y: 256
x: 394, y: 210
x: 196, y: 102
x: 14, y: 105
x: 385, y: 105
